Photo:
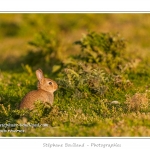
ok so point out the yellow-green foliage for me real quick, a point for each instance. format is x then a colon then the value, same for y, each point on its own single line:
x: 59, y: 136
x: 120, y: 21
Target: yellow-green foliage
x: 100, y: 62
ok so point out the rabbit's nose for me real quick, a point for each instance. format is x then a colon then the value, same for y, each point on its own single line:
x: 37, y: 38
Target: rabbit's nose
x: 56, y: 86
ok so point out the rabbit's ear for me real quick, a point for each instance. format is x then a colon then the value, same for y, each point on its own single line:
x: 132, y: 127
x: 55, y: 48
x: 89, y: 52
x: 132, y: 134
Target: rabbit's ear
x: 39, y: 74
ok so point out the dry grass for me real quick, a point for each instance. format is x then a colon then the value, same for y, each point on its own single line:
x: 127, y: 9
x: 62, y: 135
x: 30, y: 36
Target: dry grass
x: 137, y: 102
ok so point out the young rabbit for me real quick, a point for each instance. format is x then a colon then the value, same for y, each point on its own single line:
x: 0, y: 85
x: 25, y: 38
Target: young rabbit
x: 44, y: 93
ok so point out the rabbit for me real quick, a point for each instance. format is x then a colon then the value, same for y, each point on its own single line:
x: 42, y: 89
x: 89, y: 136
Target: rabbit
x: 46, y: 88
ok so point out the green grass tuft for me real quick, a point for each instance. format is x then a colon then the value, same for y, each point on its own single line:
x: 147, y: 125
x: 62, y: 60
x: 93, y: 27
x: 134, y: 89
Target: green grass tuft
x: 103, y: 78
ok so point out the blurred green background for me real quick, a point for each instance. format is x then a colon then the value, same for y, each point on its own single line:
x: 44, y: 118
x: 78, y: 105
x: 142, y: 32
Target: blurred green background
x: 18, y: 29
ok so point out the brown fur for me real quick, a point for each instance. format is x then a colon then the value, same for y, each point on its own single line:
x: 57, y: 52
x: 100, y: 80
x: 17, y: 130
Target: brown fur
x: 44, y: 93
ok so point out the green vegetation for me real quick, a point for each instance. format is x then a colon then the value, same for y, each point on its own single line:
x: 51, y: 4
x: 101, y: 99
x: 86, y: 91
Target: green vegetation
x: 101, y: 63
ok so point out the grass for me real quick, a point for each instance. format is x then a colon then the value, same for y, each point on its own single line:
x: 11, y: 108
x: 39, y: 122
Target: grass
x: 101, y: 64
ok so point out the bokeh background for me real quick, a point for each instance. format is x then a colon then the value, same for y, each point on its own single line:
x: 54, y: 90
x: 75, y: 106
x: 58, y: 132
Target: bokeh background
x: 17, y: 30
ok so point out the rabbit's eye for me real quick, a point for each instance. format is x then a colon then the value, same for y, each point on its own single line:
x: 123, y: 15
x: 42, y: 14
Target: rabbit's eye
x: 50, y: 83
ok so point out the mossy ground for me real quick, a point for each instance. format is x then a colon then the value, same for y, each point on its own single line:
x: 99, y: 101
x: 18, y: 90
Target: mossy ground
x: 101, y: 63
